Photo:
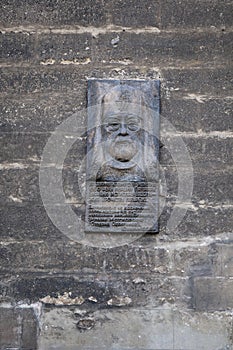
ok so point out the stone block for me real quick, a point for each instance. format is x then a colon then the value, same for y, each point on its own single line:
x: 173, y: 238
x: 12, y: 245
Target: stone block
x: 126, y: 329
x: 50, y: 13
x: 210, y: 185
x: 193, y: 83
x: 211, y: 152
x: 18, y: 147
x: 144, y: 329
x: 195, y: 13
x: 18, y: 328
x: 27, y: 148
x: 94, y: 288
x: 198, y: 222
x: 65, y: 49
x: 31, y: 256
x: 35, y: 288
x: 41, y: 80
x: 193, y: 116
x: 212, y: 294
x: 134, y: 13
x: 20, y: 222
x: 205, y: 152
x: 192, y: 259
x: 22, y: 185
x: 224, y: 261
x: 163, y: 49
x: 41, y: 112
x: 29, y: 330
x: 212, y: 259
x: 17, y: 47
x: 185, y: 83
x: 9, y: 328
x: 213, y: 187
x: 201, y: 331
x: 125, y: 259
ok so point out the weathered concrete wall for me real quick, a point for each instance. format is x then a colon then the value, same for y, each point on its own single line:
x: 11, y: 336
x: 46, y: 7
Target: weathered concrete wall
x: 173, y: 290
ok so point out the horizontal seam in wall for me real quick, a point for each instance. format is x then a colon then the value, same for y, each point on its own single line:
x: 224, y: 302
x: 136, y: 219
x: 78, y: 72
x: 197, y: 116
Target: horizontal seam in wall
x: 163, y: 133
x: 95, y: 31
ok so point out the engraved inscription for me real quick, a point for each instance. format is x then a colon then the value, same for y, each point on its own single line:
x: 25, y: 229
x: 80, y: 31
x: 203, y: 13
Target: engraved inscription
x: 122, y: 169
x: 115, y: 204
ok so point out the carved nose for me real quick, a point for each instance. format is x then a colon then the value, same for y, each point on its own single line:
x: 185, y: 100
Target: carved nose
x: 123, y: 130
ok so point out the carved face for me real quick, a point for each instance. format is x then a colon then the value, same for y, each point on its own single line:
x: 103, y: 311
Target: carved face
x: 122, y: 129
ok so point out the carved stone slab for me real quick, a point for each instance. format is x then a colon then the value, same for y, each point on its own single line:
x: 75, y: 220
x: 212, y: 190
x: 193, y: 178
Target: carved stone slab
x: 122, y: 156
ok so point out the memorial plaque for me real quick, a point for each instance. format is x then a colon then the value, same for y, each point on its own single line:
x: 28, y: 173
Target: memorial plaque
x: 122, y: 156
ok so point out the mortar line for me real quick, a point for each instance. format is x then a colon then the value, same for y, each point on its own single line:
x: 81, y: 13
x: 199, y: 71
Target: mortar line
x: 110, y: 29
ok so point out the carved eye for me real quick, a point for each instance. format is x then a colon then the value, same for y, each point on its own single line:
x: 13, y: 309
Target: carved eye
x: 133, y: 127
x: 113, y: 126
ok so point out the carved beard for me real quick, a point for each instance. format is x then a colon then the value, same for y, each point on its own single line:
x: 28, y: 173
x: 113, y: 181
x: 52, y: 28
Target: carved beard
x: 123, y: 149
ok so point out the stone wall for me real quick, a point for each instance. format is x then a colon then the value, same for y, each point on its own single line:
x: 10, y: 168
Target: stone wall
x: 171, y: 290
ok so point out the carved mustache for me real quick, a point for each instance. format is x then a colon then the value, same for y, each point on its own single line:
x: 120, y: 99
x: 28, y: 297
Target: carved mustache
x: 123, y: 139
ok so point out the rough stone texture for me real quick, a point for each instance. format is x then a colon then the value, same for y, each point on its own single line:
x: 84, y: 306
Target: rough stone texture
x: 39, y: 113
x: 18, y: 327
x: 209, y: 186
x: 211, y: 294
x: 15, y: 13
x: 134, y: 13
x: 65, y: 48
x: 196, y: 14
x: 17, y: 47
x: 162, y: 49
x: 44, y: 80
x: 168, y: 329
x: 175, y: 287
x: 189, y: 115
